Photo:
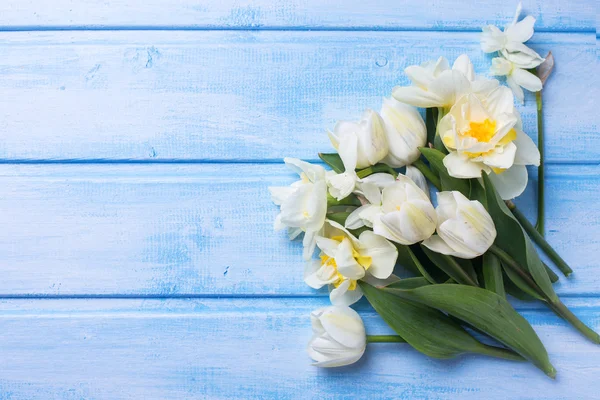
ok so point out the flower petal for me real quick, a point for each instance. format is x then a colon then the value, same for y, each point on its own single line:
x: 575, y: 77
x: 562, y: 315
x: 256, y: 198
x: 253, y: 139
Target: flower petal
x: 511, y: 183
x: 346, y: 263
x: 527, y: 152
x: 461, y: 167
x: 341, y: 296
x: 464, y: 65
x: 418, y: 178
x: 316, y: 275
x: 383, y: 254
x: 492, y: 39
x: 417, y: 97
x: 516, y: 89
x: 501, y: 157
x: 436, y: 243
x: 522, y: 31
x: 526, y: 80
x: 500, y: 66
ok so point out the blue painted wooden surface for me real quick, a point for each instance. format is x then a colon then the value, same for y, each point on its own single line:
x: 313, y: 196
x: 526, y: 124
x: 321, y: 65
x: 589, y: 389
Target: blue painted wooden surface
x: 138, y: 140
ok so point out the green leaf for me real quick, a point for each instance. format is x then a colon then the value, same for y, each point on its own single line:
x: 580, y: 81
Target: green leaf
x: 436, y: 161
x: 477, y: 191
x: 492, y: 274
x: 426, y: 329
x: 450, y: 267
x: 521, y: 284
x: 333, y: 160
x: 409, y: 260
x: 513, y: 240
x: 409, y: 283
x: 487, y: 312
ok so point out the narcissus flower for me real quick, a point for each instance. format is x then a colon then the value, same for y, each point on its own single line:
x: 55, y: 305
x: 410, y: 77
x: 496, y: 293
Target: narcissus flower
x: 516, y: 77
x: 407, y: 216
x: 405, y: 132
x: 510, y: 42
x: 435, y: 85
x: 485, y: 135
x: 464, y: 227
x: 303, y: 204
x: 346, y: 259
x: 339, y: 337
x: 360, y: 145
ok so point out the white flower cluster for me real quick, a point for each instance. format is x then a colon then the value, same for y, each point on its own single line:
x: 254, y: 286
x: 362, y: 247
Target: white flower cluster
x: 481, y: 132
x: 515, y: 58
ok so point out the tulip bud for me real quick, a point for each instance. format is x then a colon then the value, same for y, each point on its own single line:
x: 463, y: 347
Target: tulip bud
x: 465, y: 228
x: 339, y: 337
x: 405, y: 132
x: 360, y: 144
x: 407, y: 214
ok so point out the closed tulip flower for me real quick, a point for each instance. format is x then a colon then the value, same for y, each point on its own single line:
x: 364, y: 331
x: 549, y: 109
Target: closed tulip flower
x: 405, y: 132
x: 465, y: 228
x: 339, y: 337
x: 407, y: 214
x: 360, y: 145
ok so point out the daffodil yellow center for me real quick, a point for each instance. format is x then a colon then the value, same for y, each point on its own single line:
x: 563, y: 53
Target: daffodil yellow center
x: 482, y: 131
x: 364, y: 261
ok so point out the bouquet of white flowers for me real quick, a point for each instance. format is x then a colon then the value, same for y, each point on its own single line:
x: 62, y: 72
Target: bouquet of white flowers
x: 467, y: 247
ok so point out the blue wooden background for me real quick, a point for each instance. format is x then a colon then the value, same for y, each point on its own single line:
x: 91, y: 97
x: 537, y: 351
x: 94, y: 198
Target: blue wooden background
x: 138, y: 139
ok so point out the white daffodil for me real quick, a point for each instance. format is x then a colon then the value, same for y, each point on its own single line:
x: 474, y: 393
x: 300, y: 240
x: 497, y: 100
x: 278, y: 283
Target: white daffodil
x: 369, y: 189
x: 464, y: 227
x: 405, y: 131
x: 510, y: 42
x: 345, y: 259
x: 339, y: 337
x: 360, y: 145
x: 486, y: 136
x: 407, y: 215
x: 516, y: 77
x: 303, y: 204
x: 435, y: 85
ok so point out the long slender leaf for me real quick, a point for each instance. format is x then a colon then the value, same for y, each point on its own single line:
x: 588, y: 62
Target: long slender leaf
x: 450, y: 267
x: 409, y: 283
x: 409, y: 260
x: 513, y: 240
x: 492, y: 274
x: 487, y: 312
x: 426, y: 329
x: 521, y: 284
x: 436, y: 161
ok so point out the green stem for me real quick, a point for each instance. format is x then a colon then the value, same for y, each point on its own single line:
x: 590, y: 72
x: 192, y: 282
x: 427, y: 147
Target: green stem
x: 557, y: 306
x: 433, y: 178
x: 553, y: 277
x: 562, y: 311
x: 385, y: 339
x: 540, y: 241
x: 499, y: 352
x: 540, y: 183
x: 363, y: 173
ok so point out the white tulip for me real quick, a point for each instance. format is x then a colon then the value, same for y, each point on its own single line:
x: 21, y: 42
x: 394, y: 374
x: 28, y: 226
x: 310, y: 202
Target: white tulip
x: 405, y: 131
x: 516, y: 77
x: 484, y: 134
x: 360, y: 145
x: 465, y: 229
x: 510, y: 42
x: 407, y: 214
x: 346, y: 259
x: 339, y: 337
x: 303, y: 204
x: 435, y: 85
x: 417, y: 177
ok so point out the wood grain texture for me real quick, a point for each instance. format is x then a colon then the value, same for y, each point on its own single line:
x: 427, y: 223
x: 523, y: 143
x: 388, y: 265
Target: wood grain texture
x: 205, y: 229
x: 552, y: 15
x: 255, y: 349
x: 223, y: 96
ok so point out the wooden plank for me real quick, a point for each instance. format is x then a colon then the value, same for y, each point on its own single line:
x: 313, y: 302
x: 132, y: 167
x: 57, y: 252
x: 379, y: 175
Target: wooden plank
x: 203, y: 229
x: 552, y: 15
x: 217, y: 96
x: 255, y: 349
